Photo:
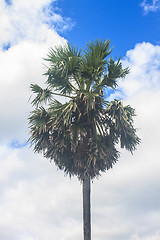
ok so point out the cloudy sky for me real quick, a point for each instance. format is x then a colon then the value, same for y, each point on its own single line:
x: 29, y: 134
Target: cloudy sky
x: 36, y: 201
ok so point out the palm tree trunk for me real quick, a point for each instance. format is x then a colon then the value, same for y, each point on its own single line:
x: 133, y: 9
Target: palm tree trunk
x: 86, y: 208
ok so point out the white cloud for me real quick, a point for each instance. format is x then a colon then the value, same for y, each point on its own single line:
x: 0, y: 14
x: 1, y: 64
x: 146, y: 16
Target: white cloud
x: 37, y: 202
x: 152, y: 6
x: 144, y: 63
x: 138, y: 175
x: 21, y: 65
x: 25, y: 186
x: 29, y: 20
x: 10, y: 163
x: 30, y: 38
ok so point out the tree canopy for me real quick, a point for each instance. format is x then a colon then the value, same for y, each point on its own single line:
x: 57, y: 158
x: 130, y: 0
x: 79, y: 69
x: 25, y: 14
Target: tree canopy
x: 81, y: 133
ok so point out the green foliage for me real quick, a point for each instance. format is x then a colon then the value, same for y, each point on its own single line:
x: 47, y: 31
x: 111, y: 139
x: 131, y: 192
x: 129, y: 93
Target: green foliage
x: 42, y: 95
x: 81, y: 135
x: 65, y: 63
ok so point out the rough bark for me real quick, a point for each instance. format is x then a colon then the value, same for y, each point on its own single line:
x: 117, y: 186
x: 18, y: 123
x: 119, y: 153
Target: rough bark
x: 86, y: 208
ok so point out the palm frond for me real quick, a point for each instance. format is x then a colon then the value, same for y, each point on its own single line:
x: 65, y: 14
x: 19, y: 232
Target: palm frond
x: 115, y: 71
x: 42, y: 95
x: 94, y: 61
x: 65, y: 63
x: 122, y: 124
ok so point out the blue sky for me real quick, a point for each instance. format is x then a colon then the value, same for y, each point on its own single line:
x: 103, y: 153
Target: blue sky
x: 36, y: 200
x: 125, y: 22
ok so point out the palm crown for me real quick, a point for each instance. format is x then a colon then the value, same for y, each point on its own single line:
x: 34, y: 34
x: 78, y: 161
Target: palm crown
x: 81, y: 134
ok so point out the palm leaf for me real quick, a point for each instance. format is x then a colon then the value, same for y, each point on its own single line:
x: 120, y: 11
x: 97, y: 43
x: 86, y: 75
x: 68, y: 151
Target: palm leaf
x: 65, y: 63
x: 122, y: 119
x: 42, y: 95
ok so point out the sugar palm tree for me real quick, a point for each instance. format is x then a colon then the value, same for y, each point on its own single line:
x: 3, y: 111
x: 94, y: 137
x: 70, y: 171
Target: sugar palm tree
x: 81, y: 133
